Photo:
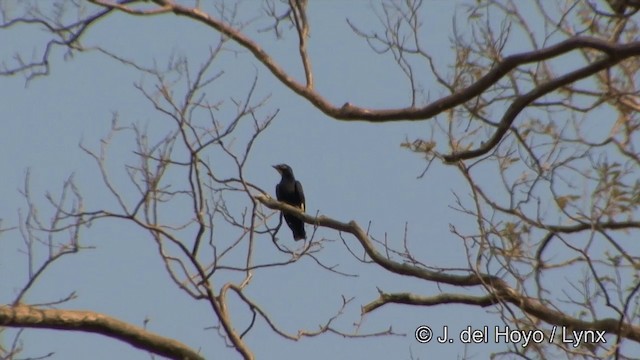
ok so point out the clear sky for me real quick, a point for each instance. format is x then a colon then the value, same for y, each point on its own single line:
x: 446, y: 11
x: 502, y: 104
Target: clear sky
x: 350, y: 171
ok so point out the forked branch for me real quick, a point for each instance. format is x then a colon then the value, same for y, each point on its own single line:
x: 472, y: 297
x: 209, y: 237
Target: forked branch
x: 499, y: 290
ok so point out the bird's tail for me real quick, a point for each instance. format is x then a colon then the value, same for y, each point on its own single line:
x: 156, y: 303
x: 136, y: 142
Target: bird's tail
x: 300, y: 234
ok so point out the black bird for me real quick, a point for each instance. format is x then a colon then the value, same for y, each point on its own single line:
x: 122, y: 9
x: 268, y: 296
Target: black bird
x: 289, y: 191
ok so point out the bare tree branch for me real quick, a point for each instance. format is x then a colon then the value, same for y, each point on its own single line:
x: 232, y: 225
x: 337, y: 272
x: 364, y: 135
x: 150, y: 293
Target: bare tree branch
x: 499, y: 290
x: 25, y: 316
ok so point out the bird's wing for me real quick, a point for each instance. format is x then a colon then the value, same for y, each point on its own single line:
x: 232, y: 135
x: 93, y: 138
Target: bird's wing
x: 278, y: 192
x: 300, y: 195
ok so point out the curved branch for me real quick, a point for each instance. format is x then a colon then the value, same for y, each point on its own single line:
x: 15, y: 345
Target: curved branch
x: 25, y: 316
x: 349, y: 112
x: 498, y: 288
x: 528, y: 305
x: 525, y: 100
x: 396, y: 267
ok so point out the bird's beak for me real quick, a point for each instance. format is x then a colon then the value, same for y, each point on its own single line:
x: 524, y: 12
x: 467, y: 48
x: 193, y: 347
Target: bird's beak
x: 276, y: 167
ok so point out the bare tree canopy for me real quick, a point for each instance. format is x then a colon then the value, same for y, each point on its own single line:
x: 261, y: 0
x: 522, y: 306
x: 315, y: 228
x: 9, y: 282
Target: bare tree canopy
x: 471, y: 179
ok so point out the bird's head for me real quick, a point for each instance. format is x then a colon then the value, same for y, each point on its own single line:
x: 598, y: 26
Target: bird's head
x: 284, y: 170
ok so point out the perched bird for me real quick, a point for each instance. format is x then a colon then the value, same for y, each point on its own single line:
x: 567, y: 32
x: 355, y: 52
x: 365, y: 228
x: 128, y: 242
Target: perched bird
x: 289, y: 191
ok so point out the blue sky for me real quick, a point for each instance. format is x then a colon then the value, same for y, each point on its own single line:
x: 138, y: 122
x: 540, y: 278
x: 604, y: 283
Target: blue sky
x: 350, y: 170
